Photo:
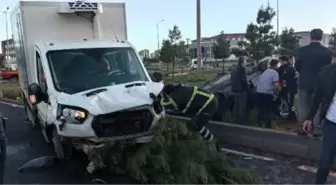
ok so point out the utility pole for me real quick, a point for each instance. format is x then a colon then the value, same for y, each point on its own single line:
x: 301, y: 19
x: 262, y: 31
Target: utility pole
x: 198, y: 22
x: 188, y: 48
x: 278, y: 18
x: 158, y: 38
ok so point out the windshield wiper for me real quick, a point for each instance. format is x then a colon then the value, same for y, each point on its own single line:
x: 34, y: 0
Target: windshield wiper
x: 94, y: 92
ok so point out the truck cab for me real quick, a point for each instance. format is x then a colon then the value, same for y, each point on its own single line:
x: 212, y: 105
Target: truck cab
x: 83, y: 92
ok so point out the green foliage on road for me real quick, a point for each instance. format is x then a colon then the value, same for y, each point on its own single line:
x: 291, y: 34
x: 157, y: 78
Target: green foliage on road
x: 221, y: 49
x: 289, y: 42
x: 261, y: 39
x: 174, y: 156
x: 10, y: 90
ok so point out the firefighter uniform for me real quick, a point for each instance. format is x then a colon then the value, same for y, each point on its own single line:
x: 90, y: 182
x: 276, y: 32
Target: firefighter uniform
x: 193, y: 102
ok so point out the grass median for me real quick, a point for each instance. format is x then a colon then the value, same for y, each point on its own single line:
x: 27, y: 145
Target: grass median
x: 10, y: 90
x: 282, y: 124
x: 193, y: 77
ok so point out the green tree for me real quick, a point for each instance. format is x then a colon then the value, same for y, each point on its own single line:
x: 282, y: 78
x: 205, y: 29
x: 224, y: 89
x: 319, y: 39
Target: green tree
x: 167, y: 51
x: 174, y: 48
x: 289, y: 42
x: 237, y: 51
x: 261, y: 40
x: 221, y: 49
x: 332, y: 41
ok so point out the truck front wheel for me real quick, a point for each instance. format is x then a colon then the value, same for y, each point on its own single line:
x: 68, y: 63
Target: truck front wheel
x: 62, y: 148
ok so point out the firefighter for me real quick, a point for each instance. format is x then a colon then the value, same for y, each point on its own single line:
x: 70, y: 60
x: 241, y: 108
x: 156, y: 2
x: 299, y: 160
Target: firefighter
x: 192, y: 102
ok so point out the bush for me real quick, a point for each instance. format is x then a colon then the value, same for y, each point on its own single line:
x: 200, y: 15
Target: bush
x: 10, y: 90
x: 174, y: 156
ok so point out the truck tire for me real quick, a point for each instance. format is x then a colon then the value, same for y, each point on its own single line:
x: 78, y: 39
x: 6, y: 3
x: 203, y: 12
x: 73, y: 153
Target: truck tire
x: 62, y: 149
x: 31, y: 116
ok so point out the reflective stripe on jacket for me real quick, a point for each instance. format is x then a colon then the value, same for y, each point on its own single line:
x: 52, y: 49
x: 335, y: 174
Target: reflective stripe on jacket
x: 168, y: 101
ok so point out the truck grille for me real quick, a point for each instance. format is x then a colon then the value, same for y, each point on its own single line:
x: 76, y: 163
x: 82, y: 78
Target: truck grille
x: 122, y: 123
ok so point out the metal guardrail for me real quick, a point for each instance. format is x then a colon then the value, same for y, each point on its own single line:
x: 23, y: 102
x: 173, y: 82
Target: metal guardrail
x: 3, y: 147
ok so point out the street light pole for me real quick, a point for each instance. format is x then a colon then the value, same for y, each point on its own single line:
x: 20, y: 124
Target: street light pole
x: 198, y: 22
x: 158, y: 38
x: 6, y: 17
x: 277, y: 17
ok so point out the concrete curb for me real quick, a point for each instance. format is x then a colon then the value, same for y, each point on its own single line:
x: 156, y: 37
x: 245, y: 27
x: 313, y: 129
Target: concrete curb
x: 265, y: 139
x: 19, y: 102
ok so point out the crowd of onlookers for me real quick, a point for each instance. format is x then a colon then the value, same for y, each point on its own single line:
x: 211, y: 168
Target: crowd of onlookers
x: 311, y: 74
x: 280, y: 80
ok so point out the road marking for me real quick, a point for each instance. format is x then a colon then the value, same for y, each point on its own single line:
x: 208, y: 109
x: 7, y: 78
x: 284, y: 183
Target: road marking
x: 247, y: 154
x: 12, y: 104
x: 313, y: 170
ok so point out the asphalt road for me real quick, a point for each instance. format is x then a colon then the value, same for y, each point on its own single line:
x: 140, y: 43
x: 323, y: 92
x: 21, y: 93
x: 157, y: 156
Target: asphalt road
x: 275, y: 172
x: 25, y: 143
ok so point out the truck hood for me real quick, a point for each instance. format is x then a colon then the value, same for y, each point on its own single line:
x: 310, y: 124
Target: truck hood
x: 115, y: 98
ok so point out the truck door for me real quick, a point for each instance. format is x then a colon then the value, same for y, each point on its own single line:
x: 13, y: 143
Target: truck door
x: 42, y: 108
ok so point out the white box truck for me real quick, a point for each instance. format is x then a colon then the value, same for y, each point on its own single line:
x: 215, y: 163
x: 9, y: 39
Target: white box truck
x: 83, y: 84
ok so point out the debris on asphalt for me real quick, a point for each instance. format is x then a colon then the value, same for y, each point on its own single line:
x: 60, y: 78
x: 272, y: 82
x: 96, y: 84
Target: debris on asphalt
x: 98, y: 181
x: 248, y: 158
x: 39, y: 163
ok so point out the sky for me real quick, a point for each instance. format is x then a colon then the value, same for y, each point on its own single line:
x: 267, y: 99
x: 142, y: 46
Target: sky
x: 230, y: 16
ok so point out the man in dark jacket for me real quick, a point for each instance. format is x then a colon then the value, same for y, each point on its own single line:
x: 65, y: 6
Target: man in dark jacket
x: 309, y: 62
x: 287, y: 76
x: 239, y: 87
x: 325, y: 99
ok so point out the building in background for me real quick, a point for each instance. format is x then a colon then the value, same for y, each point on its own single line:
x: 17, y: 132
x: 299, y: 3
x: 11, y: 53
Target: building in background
x: 155, y: 54
x: 305, y: 38
x: 144, y: 53
x: 208, y: 42
x: 234, y: 38
x: 8, y: 51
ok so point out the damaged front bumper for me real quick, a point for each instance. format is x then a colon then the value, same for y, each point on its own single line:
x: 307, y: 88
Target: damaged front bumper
x: 89, y: 144
x: 112, y: 125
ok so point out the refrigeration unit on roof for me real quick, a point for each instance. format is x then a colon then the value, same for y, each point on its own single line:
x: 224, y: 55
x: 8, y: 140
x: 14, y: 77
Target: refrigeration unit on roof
x: 80, y: 6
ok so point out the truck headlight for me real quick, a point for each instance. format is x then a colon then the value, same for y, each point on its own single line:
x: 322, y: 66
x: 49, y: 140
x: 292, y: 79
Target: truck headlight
x: 71, y: 114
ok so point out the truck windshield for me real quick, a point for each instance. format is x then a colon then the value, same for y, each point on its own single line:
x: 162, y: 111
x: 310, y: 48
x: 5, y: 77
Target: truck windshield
x: 78, y: 70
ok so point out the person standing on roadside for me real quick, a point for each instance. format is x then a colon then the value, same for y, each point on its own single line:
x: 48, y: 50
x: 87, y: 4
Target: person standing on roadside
x: 292, y: 88
x: 291, y: 60
x: 325, y: 99
x: 309, y: 62
x: 267, y: 86
x: 287, y: 76
x: 239, y: 87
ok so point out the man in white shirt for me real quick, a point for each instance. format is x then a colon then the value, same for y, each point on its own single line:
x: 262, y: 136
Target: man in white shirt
x: 267, y: 86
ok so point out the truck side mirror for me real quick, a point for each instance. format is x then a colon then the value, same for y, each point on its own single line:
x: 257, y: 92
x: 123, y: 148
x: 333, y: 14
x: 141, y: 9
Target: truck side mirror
x: 157, y: 77
x: 35, y: 93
